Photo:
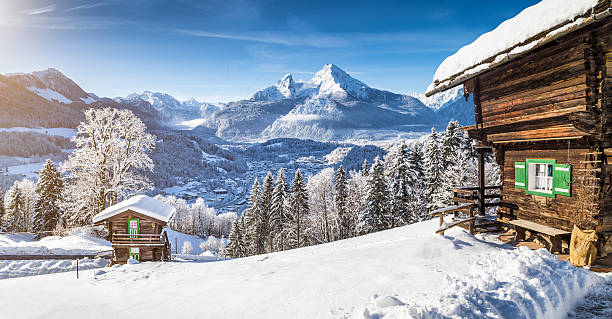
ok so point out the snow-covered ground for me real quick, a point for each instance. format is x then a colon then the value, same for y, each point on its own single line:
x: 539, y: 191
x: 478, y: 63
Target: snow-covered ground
x: 79, y: 242
x: 23, y: 268
x: 404, y: 272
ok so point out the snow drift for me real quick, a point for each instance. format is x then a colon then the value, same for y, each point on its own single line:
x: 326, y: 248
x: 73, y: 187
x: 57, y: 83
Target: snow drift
x: 403, y: 272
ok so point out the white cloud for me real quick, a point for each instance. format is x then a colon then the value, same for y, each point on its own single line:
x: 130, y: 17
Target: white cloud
x: 313, y: 40
x: 89, y: 5
x: 42, y: 10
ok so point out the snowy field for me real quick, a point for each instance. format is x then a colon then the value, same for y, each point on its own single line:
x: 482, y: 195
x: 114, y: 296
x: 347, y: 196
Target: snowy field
x: 24, y: 268
x: 404, y: 272
x: 79, y: 242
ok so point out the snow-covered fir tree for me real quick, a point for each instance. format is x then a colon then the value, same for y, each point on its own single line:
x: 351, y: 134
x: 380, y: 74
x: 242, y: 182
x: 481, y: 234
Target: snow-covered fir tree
x: 267, y: 217
x: 376, y: 216
x: 14, y: 207
x: 450, y: 142
x: 108, y: 164
x: 399, y: 188
x: 433, y: 168
x: 279, y: 211
x: 236, y: 247
x: 253, y: 222
x: 365, y: 169
x: 49, y: 189
x: 298, y: 212
x: 416, y: 173
x: 341, y: 202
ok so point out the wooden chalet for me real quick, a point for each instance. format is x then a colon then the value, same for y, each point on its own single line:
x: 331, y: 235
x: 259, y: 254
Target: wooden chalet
x: 543, y: 106
x: 135, y: 229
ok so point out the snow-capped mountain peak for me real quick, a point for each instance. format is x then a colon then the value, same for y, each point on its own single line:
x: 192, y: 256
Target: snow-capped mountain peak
x: 330, y: 81
x: 335, y: 82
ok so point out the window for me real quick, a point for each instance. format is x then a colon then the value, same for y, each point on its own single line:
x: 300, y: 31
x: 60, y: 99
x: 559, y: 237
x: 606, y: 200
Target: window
x: 543, y: 177
x: 540, y: 177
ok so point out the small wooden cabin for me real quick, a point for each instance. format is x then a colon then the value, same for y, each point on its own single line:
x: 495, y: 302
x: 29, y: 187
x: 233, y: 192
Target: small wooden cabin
x: 542, y: 90
x: 135, y: 229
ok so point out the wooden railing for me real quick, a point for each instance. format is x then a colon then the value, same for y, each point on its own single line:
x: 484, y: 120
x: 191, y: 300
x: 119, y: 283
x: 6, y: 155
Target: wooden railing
x: 140, y: 239
x: 467, y: 201
x: 471, y: 195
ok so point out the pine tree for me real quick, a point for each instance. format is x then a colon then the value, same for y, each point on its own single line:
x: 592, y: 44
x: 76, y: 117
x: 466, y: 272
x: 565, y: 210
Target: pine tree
x: 454, y: 175
x: 376, y: 215
x: 399, y: 189
x: 252, y: 220
x: 279, y: 211
x: 236, y: 247
x: 14, y: 206
x: 365, y: 169
x: 416, y: 172
x: 450, y: 143
x: 298, y: 211
x: 417, y: 210
x: 341, y: 198
x: 49, y: 189
x: 433, y: 168
x: 267, y: 216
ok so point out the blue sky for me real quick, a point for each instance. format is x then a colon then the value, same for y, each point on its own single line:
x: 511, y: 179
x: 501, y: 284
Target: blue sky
x: 223, y: 50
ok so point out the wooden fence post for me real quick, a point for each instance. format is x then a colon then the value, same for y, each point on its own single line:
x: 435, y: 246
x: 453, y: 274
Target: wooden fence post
x: 77, y: 268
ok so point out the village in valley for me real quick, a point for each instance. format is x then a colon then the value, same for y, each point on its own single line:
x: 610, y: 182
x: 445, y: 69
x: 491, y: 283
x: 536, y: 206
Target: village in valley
x: 489, y: 195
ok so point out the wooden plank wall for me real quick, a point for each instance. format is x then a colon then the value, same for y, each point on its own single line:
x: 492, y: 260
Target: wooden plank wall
x: 560, y: 212
x: 146, y: 254
x: 553, y: 92
x: 119, y: 224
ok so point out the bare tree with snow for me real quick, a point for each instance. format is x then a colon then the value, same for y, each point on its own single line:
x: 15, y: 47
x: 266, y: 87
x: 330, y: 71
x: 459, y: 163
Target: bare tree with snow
x: 111, y: 156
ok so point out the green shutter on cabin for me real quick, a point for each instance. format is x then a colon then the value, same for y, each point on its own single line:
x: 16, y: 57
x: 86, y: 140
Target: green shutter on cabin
x: 562, y: 179
x: 519, y: 175
x: 134, y: 227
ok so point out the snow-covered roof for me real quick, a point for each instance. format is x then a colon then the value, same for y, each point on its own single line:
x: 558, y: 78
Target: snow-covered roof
x: 531, y: 28
x: 142, y: 204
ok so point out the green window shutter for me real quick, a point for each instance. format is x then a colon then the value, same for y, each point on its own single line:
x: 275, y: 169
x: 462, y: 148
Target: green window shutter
x: 520, y: 179
x: 134, y: 227
x: 562, y: 179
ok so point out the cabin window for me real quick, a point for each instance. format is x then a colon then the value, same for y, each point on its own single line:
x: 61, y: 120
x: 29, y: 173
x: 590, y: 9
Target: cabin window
x: 543, y: 177
x: 135, y: 253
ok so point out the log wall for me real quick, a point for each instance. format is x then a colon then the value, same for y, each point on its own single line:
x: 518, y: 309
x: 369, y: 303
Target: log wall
x: 560, y: 212
x: 119, y: 224
x: 554, y: 92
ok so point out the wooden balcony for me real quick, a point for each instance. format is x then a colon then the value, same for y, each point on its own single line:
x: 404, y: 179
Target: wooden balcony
x: 139, y: 240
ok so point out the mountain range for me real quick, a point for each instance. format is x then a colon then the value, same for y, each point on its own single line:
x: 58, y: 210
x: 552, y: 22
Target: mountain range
x: 331, y: 106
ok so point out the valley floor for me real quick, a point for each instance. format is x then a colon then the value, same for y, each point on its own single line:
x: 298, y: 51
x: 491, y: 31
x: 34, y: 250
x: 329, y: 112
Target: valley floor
x: 404, y: 272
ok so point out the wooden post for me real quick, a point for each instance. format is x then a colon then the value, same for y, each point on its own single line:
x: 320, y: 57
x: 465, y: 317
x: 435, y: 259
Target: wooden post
x: 441, y: 223
x: 77, y: 268
x: 472, y: 231
x: 481, y: 182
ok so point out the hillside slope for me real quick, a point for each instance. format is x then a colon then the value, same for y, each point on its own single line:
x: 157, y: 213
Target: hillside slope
x: 404, y: 272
